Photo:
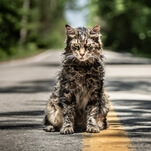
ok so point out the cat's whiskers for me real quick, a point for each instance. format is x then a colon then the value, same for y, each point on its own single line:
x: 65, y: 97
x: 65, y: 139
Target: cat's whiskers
x: 69, y: 56
x: 95, y: 57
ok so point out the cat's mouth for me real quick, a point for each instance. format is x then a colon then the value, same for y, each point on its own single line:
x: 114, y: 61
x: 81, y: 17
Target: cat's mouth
x: 82, y: 58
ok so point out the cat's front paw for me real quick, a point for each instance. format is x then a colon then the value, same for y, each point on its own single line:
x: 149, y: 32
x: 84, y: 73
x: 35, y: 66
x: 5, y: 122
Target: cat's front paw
x: 67, y: 130
x: 92, y: 129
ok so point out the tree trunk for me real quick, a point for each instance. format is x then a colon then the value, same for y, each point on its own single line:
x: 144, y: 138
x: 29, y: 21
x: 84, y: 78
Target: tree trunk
x: 24, y: 21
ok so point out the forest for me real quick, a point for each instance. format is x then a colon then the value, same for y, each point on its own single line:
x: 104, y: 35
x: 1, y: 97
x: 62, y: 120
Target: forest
x: 126, y: 24
x: 28, y: 27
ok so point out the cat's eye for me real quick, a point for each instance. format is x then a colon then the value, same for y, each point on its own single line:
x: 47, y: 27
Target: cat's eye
x: 88, y: 45
x: 75, y: 45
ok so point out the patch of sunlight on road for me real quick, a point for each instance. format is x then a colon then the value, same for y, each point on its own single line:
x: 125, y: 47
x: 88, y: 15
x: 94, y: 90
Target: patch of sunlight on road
x: 115, y: 138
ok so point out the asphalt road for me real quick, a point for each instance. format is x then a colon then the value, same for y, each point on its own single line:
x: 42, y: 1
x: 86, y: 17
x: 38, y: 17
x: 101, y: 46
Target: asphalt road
x: 129, y: 84
x: 26, y: 85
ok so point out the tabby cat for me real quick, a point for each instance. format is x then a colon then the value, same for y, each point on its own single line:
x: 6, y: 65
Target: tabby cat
x: 79, y: 101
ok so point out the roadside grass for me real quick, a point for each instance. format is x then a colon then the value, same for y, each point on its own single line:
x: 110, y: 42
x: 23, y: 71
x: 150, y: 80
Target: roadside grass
x: 19, y: 53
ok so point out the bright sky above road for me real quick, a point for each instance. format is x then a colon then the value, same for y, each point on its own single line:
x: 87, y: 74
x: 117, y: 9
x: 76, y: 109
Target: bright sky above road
x: 77, y: 18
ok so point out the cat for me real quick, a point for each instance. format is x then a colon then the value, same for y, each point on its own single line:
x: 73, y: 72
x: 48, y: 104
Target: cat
x: 79, y: 101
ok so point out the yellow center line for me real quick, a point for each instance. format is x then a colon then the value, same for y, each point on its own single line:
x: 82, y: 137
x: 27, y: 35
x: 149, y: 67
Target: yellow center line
x: 114, y: 138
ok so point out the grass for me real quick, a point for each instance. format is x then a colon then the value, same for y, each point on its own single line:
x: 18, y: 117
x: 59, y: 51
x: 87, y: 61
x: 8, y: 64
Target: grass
x: 19, y: 53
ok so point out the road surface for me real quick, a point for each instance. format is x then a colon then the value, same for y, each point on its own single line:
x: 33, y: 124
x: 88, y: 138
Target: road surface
x: 26, y: 85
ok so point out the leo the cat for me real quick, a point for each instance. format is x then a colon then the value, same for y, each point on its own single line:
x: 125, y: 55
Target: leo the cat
x: 79, y: 101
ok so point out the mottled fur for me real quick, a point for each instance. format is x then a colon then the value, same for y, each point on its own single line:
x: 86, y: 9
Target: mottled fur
x: 79, y: 101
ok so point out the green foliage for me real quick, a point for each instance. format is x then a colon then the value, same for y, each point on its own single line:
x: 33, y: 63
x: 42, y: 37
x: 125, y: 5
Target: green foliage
x: 126, y: 24
x: 26, y: 25
x: 19, y: 52
x: 9, y: 24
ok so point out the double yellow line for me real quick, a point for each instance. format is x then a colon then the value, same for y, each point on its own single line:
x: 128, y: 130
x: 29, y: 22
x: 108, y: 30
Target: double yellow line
x: 114, y: 138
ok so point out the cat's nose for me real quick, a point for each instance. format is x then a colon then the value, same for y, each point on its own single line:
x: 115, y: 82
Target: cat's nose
x: 81, y: 54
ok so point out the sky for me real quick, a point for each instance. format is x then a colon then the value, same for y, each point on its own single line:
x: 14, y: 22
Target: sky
x: 77, y: 18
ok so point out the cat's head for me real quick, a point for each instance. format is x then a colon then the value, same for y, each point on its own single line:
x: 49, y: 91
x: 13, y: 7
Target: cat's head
x: 83, y: 43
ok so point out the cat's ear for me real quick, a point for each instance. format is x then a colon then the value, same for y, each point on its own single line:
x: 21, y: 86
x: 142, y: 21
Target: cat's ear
x: 95, y: 29
x: 70, y: 31
x: 68, y: 28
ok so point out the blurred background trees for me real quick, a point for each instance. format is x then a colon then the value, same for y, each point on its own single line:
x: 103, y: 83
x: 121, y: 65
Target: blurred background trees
x: 126, y: 24
x: 27, y: 26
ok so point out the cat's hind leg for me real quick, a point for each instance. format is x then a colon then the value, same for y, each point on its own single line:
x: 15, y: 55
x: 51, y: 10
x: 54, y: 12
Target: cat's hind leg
x: 48, y: 126
x: 53, y: 117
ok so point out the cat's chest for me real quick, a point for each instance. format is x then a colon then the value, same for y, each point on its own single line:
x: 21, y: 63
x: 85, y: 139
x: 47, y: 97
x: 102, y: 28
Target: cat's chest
x: 81, y: 79
x: 82, y: 93
x: 84, y: 78
x: 83, y: 82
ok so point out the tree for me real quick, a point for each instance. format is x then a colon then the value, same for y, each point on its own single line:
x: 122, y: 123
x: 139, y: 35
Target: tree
x: 9, y: 23
x: 126, y: 24
x: 24, y: 22
x: 28, y: 24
